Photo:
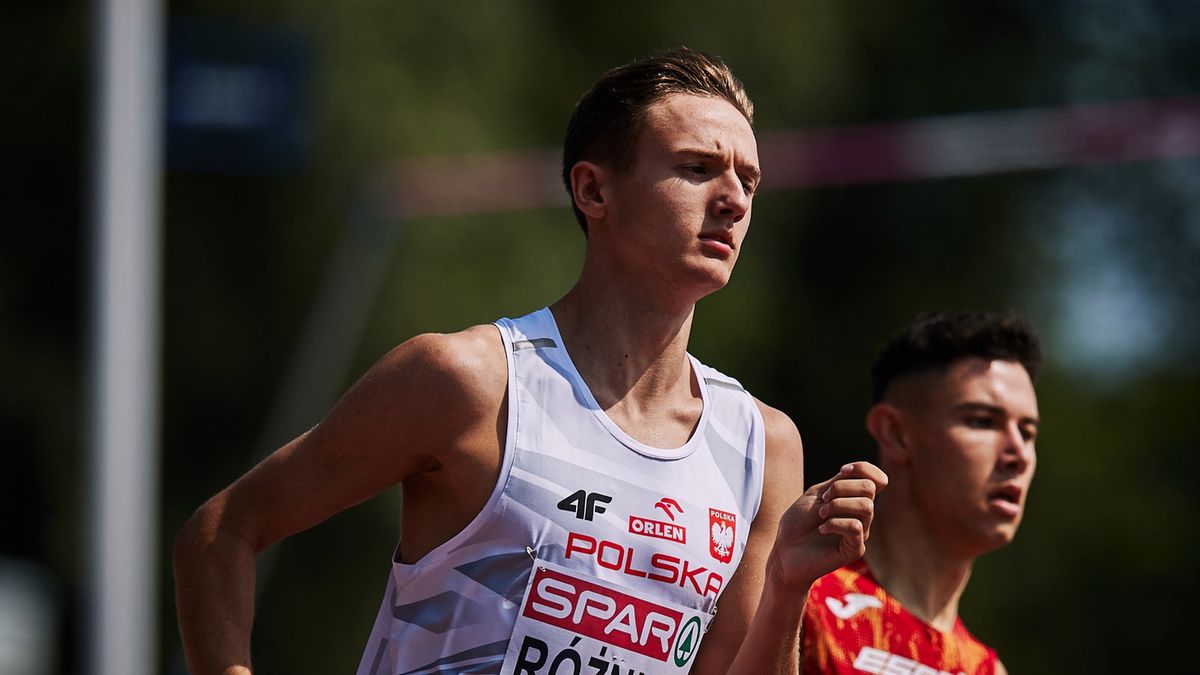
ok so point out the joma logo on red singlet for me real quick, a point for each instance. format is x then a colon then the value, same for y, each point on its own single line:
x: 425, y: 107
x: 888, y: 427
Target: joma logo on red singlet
x: 603, y: 614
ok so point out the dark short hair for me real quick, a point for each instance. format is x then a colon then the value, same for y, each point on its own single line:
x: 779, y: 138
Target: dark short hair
x: 607, y: 119
x: 935, y: 341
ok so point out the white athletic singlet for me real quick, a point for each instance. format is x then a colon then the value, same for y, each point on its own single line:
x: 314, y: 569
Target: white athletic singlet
x: 594, y: 553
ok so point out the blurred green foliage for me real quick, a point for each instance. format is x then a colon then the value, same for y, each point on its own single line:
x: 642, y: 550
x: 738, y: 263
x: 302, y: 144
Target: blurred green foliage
x: 1103, y: 258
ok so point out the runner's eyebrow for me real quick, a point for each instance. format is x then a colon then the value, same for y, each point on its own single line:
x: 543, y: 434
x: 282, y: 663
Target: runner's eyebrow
x: 977, y: 406
x: 752, y: 172
x: 749, y: 170
x: 980, y: 407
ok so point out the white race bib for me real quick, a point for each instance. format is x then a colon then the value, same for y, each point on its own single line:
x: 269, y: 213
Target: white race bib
x: 572, y: 624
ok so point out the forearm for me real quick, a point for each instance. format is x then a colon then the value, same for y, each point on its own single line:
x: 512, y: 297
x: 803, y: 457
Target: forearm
x: 772, y: 642
x: 214, y: 595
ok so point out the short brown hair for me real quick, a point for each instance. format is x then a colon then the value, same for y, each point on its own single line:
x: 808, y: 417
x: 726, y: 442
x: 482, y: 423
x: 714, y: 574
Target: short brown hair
x: 608, y: 118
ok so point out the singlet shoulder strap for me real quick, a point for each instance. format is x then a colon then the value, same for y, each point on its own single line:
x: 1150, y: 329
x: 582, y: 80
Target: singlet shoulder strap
x: 535, y: 343
x: 716, y: 378
x: 532, y: 331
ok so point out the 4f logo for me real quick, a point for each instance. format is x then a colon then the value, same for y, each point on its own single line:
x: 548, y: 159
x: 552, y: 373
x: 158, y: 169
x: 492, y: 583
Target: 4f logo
x: 584, y: 504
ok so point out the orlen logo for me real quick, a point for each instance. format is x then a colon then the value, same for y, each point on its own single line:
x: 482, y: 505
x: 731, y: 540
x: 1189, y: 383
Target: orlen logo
x: 722, y: 526
x: 661, y: 529
x: 603, y: 614
x: 666, y: 504
x: 657, y: 529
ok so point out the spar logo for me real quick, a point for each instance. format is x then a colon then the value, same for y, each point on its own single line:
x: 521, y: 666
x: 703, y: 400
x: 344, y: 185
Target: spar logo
x: 688, y: 640
x: 612, y: 617
x: 660, y: 529
x: 722, y: 526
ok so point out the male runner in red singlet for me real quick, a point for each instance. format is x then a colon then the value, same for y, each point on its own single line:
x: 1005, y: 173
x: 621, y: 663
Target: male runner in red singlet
x: 578, y: 490
x: 955, y: 417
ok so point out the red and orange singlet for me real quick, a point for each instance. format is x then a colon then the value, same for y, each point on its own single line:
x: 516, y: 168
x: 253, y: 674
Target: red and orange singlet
x: 852, y: 626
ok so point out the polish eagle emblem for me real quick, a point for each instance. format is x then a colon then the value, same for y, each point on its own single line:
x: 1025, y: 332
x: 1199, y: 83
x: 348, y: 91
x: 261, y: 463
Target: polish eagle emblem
x: 723, y: 527
x: 722, y: 535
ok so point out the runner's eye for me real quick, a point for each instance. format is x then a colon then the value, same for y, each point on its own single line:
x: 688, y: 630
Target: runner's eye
x: 979, y: 422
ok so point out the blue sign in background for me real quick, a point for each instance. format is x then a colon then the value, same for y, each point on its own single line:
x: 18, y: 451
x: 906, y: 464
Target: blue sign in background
x: 237, y: 99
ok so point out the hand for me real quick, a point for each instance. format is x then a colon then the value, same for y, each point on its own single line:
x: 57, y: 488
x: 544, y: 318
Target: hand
x: 827, y: 527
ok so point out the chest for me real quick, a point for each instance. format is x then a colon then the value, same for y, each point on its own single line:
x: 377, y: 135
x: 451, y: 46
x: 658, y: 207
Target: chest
x: 674, y: 529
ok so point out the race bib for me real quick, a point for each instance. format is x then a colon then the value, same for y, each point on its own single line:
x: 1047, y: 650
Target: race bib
x: 572, y: 624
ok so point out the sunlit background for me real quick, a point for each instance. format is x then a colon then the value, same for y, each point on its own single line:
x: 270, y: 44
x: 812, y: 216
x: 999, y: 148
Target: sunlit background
x: 337, y: 177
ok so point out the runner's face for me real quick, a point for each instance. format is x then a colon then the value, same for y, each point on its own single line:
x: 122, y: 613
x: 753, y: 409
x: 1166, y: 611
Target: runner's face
x: 681, y: 212
x: 973, y: 452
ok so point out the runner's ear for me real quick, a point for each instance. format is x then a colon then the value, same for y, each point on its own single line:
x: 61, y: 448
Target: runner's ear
x: 587, y: 179
x: 886, y: 424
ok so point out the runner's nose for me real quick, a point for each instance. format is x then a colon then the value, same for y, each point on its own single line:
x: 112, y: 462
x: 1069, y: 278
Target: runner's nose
x: 732, y: 200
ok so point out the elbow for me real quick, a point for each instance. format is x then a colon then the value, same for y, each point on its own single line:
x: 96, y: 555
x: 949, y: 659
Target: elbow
x: 208, y: 538
x: 202, y: 535
x: 191, y: 538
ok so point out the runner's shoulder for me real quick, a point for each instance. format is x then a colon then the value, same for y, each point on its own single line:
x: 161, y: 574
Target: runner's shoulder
x: 466, y: 368
x: 783, y: 438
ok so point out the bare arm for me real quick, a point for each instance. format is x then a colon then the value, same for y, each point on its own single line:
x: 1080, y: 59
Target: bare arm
x: 427, y: 400
x: 797, y: 536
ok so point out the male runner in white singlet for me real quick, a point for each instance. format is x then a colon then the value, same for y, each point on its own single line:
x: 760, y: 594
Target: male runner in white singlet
x: 578, y: 490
